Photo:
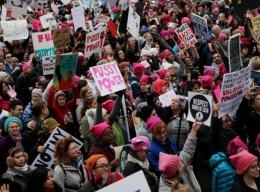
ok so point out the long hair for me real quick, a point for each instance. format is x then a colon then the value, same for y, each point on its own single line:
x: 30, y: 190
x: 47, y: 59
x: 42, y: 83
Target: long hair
x: 87, y: 102
x: 4, y: 96
x: 18, y: 48
x: 61, y: 149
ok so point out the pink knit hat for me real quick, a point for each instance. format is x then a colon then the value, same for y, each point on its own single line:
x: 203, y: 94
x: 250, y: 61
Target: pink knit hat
x: 145, y: 64
x: 166, y: 53
x: 140, y: 143
x: 138, y: 68
x: 242, y: 161
x: 98, y: 129
x: 123, y: 64
x: 185, y: 20
x: 80, y: 58
x: 37, y: 25
x: 172, y: 25
x: 242, y: 28
x: 168, y: 165
x: 144, y: 79
x: 257, y: 142
x: 209, y: 70
x: 25, y: 66
x: 152, y: 121
x: 76, y: 78
x: 145, y: 52
x: 235, y: 145
x: 199, y: 8
x: 206, y: 82
x: 164, y: 33
x: 108, y: 105
x: 114, y: 9
x: 88, y: 73
x: 161, y: 72
x: 222, y: 36
x: 215, y: 10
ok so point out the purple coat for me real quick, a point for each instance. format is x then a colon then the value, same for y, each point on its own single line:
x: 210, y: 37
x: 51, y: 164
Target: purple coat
x: 8, y: 143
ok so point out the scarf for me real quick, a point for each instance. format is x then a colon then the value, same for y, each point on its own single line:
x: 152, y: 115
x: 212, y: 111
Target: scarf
x: 144, y: 165
x: 49, y: 189
x: 18, y: 141
x: 24, y: 171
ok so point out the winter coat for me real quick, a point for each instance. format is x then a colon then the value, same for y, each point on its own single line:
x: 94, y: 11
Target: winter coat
x: 142, y: 131
x: 22, y: 89
x: 89, y: 187
x: 27, y: 113
x: 223, y: 173
x: 4, y: 104
x: 134, y: 85
x: 240, y: 185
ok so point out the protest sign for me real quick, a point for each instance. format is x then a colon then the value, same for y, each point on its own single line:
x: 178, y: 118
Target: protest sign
x: 103, y: 19
x: 133, y: 22
x: 48, y: 64
x: 112, y: 3
x: 3, y: 13
x: 54, y: 8
x: 185, y: 35
x: 43, y: 44
x: 122, y: 5
x: 200, y: 108
x: 166, y: 98
x: 46, y: 159
x: 18, y: 12
x: 17, y: 2
x: 47, y: 20
x: 230, y: 18
x: 135, y: 183
x: 121, y: 154
x: 94, y: 41
x: 256, y: 24
x: 112, y: 28
x: 61, y: 37
x: 87, y: 4
x: 222, y: 49
x: 14, y: 30
x: 65, y: 2
x: 108, y: 78
x: 64, y: 72
x: 200, y: 26
x: 78, y: 18
x: 77, y: 3
x: 25, y: 5
x: 233, y: 89
x: 234, y: 53
x: 96, y: 9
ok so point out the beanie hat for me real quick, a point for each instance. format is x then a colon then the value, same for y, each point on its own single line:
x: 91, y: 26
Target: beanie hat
x: 161, y: 72
x: 153, y: 26
x: 98, y: 129
x: 245, y: 40
x: 52, y: 123
x: 25, y: 65
x: 91, y: 161
x: 145, y: 52
x: 168, y: 165
x: 209, y: 70
x: 88, y: 73
x: 215, y: 10
x: 154, y: 51
x: 12, y: 119
x: 138, y: 68
x: 206, y: 82
x: 145, y: 64
x: 108, y: 105
x: 39, y: 78
x: 93, y: 112
x: 3, y: 75
x: 158, y: 84
x: 222, y: 36
x: 38, y: 91
x: 80, y: 58
x: 140, y: 143
x: 144, y: 79
x: 241, y: 28
x: 59, y: 93
x: 172, y: 25
x: 123, y: 64
x: 166, y: 65
x: 185, y: 20
x: 234, y: 146
x: 181, y: 99
x: 165, y: 17
x: 145, y: 111
x: 152, y: 121
x: 166, y: 53
x: 242, y: 161
x: 114, y: 9
x: 76, y: 79
x: 165, y: 33
x: 257, y: 142
x: 199, y: 8
x: 107, y: 179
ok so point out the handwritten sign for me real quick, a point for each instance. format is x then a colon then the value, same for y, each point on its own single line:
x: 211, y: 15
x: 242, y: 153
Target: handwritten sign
x: 61, y: 37
x: 48, y: 64
x: 78, y: 18
x: 200, y: 26
x: 108, y: 78
x: 166, y: 98
x: 96, y: 9
x: 95, y: 41
x: 233, y: 89
x: 234, y: 53
x: 15, y: 30
x: 103, y: 19
x: 46, y: 159
x: 185, y: 35
x: 47, y: 20
x: 133, y: 22
x: 123, y: 4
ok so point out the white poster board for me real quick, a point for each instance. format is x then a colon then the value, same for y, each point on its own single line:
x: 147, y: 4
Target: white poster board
x: 77, y: 3
x: 133, y: 22
x: 103, y: 19
x: 3, y: 13
x: 200, y: 107
x: 166, y: 98
x: 47, y: 20
x: 46, y: 159
x: 234, y: 87
x: 18, y: 12
x: 185, y: 35
x: 122, y: 154
x: 15, y: 30
x: 48, y: 64
x: 108, y: 78
x: 123, y: 4
x: 78, y: 18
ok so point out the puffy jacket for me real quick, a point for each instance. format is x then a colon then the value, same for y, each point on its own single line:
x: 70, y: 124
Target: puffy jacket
x: 223, y: 173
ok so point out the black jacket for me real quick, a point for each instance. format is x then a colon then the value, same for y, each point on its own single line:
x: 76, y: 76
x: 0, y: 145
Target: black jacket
x: 89, y: 187
x: 240, y: 185
x: 22, y: 89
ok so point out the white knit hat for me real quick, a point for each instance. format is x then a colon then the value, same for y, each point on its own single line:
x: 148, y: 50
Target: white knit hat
x: 2, y: 75
x: 38, y: 91
x: 154, y: 51
x: 167, y: 65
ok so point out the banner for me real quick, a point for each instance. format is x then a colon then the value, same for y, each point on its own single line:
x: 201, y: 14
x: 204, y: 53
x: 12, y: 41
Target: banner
x: 185, y: 35
x: 78, y: 18
x: 123, y: 4
x: 166, y: 98
x: 103, y: 19
x: 14, y: 30
x: 48, y: 64
x: 46, y: 159
x: 200, y: 26
x: 64, y: 72
x: 133, y: 22
x: 95, y: 41
x: 61, y: 37
x: 121, y: 154
x: 233, y: 89
x: 43, y: 44
x: 108, y: 78
x: 200, y: 107
x: 234, y: 53
x: 47, y: 20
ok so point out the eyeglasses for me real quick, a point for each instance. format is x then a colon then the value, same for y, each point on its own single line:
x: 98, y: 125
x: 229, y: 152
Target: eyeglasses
x: 107, y: 166
x: 109, y: 133
x: 161, y: 133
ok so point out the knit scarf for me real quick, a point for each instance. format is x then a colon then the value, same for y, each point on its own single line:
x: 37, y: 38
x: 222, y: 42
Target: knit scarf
x: 18, y: 141
x: 25, y: 170
x: 144, y: 165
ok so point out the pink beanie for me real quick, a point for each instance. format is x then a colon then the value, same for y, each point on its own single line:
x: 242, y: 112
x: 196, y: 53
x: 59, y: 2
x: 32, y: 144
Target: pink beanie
x: 242, y: 161
x: 140, y: 143
x: 172, y: 25
x: 185, y: 20
x: 98, y: 129
x: 209, y: 70
x: 144, y: 79
x: 80, y: 58
x: 199, y: 8
x: 25, y: 66
x: 242, y: 28
x: 234, y: 146
x: 222, y: 36
x: 152, y: 121
x: 108, y: 105
x: 257, y: 142
x: 88, y: 73
x: 206, y: 82
x: 161, y: 72
x: 76, y: 78
x: 37, y: 25
x: 168, y: 165
x: 145, y: 64
x: 114, y: 9
x: 145, y: 52
x: 165, y: 33
x: 138, y: 68
x: 215, y: 10
x: 166, y: 53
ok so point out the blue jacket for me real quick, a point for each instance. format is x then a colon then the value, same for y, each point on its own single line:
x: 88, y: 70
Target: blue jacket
x: 223, y: 173
x: 27, y: 114
x: 157, y: 147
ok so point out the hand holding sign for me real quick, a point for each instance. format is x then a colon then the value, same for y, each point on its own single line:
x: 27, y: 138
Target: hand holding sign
x: 195, y: 127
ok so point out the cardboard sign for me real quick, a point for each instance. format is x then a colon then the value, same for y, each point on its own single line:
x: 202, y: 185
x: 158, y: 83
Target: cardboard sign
x: 103, y: 19
x: 48, y: 64
x: 108, y: 78
x: 133, y: 22
x: 256, y: 24
x: 234, y: 87
x: 122, y: 154
x: 54, y: 8
x: 3, y: 13
x: 234, y: 53
x: 123, y: 4
x: 46, y: 159
x: 96, y: 9
x: 78, y: 18
x: 185, y: 35
x: 133, y: 183
x: 61, y: 37
x: 166, y: 98
x: 15, y: 30
x: 95, y: 41
x: 200, y: 107
x: 47, y: 20
x: 65, y: 69
x: 43, y: 44
x: 200, y: 26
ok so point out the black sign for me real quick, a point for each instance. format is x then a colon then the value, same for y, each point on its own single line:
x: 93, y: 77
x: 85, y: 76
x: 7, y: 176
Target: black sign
x: 234, y: 54
x: 200, y: 108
